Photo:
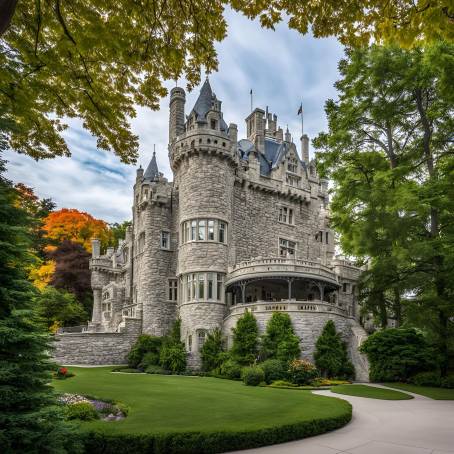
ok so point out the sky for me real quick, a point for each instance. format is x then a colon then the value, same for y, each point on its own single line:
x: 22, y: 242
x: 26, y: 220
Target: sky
x: 282, y: 67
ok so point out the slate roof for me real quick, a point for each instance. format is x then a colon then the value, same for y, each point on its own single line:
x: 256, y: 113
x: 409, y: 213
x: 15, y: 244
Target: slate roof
x: 152, y: 172
x: 274, y: 154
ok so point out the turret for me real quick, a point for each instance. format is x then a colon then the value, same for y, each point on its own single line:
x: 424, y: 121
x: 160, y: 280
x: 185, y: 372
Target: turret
x: 255, y: 124
x: 176, y: 119
x: 288, y: 136
x: 305, y: 148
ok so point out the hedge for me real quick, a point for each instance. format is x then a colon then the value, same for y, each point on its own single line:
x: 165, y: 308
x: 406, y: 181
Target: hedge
x: 208, y: 442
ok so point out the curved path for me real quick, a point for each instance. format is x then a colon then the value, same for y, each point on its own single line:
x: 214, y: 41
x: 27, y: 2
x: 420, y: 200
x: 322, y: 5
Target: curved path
x: 417, y: 426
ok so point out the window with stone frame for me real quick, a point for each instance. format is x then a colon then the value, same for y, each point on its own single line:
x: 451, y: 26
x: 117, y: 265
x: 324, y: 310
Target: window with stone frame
x: 285, y: 215
x: 141, y: 244
x: 165, y: 240
x: 202, y: 287
x: 201, y: 337
x: 292, y: 180
x: 173, y: 290
x: 204, y: 230
x: 222, y: 232
x: 292, y: 164
x: 346, y: 287
x: 190, y: 343
x: 287, y: 248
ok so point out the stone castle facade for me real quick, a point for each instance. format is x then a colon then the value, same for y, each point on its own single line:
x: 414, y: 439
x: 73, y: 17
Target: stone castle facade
x: 244, y: 226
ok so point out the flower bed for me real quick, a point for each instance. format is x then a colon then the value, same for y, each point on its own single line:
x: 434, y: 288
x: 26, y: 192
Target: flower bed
x: 85, y: 408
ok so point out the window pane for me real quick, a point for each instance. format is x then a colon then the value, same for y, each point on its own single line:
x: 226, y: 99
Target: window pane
x: 210, y: 286
x: 219, y: 287
x: 211, y: 230
x: 221, y: 232
x: 290, y: 216
x: 201, y: 230
x: 201, y: 286
x: 193, y: 230
x: 194, y: 286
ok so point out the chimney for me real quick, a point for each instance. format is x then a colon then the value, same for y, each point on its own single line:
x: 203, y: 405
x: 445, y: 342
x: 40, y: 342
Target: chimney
x: 305, y: 148
x: 176, y: 118
x: 139, y: 174
x: 95, y: 248
x: 255, y: 123
x: 288, y: 136
x: 233, y: 134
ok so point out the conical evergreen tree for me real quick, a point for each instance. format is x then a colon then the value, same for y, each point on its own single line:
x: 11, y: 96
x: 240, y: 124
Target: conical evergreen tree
x: 330, y: 354
x: 245, y: 339
x: 29, y: 419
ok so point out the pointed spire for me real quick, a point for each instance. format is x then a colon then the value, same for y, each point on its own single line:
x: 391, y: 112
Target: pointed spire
x: 204, y: 102
x: 152, y: 172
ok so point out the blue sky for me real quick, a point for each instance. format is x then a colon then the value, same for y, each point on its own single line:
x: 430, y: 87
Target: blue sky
x: 282, y: 67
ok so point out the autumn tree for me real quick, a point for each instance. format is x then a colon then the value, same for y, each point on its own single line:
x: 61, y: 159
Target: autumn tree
x: 389, y: 153
x: 97, y: 60
x: 76, y: 226
x: 72, y: 272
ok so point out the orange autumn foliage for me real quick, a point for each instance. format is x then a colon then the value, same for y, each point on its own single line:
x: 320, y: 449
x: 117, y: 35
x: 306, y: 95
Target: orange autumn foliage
x: 76, y: 226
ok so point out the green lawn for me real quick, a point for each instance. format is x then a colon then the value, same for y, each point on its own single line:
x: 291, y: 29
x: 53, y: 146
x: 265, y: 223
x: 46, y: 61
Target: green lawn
x: 370, y: 391
x: 179, y: 403
x: 428, y: 391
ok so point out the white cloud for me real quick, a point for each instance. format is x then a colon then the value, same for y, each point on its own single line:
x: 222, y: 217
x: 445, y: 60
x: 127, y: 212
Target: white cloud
x: 282, y: 67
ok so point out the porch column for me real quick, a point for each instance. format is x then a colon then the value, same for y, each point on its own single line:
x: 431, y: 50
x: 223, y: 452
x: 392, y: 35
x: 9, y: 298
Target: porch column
x: 243, y: 292
x: 289, y: 281
x: 321, y: 287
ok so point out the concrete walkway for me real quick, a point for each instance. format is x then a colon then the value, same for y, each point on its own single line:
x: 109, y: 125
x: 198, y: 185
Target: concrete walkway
x: 417, y: 426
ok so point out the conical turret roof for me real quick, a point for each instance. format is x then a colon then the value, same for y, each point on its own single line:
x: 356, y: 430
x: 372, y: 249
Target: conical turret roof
x: 152, y: 172
x: 204, y: 102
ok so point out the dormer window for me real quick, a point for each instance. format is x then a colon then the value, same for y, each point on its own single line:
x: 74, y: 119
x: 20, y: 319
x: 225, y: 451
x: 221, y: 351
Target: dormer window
x: 292, y: 165
x: 213, y: 124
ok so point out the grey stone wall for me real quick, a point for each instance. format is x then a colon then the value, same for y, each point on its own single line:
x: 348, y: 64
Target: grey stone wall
x: 96, y: 348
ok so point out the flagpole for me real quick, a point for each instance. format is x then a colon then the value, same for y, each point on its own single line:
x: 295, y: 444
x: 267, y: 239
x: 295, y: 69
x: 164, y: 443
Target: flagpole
x: 302, y: 120
x: 251, y: 99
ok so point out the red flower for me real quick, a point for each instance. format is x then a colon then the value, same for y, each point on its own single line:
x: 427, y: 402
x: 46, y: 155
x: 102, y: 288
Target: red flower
x: 62, y: 371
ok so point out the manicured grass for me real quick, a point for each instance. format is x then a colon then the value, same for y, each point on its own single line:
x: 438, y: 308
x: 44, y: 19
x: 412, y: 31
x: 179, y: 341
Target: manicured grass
x: 428, y: 391
x: 162, y: 404
x: 370, y: 391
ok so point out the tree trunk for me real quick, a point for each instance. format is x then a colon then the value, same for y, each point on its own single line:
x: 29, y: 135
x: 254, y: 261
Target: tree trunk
x: 7, y: 8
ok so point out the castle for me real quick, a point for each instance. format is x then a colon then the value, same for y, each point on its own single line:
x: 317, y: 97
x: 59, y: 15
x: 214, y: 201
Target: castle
x: 244, y: 226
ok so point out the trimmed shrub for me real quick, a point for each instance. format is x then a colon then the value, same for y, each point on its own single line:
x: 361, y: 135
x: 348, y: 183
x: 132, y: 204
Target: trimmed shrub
x: 283, y: 384
x: 396, y: 354
x: 252, y: 376
x: 212, y: 351
x: 301, y: 372
x: 230, y: 369
x: 155, y: 369
x: 144, y: 344
x: 279, y: 340
x: 209, y: 442
x: 149, y: 359
x: 173, y: 357
x: 84, y: 411
x: 447, y: 382
x: 426, y: 379
x: 274, y: 370
x: 245, y: 339
x: 330, y: 354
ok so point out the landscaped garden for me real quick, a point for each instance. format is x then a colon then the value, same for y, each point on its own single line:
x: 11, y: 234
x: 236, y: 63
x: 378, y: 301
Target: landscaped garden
x: 371, y: 392
x: 428, y: 391
x: 199, y: 414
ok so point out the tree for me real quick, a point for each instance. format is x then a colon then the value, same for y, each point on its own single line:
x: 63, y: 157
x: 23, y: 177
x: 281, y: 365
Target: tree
x: 29, y: 418
x: 212, y: 351
x: 245, y: 339
x: 72, y: 272
x: 172, y: 355
x: 59, y: 308
x: 398, y: 354
x: 389, y: 153
x: 118, y: 232
x: 96, y: 60
x: 279, y: 340
x: 330, y: 354
x: 76, y: 226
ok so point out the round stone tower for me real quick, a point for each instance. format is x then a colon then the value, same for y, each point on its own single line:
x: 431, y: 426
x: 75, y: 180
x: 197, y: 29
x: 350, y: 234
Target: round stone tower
x: 203, y: 162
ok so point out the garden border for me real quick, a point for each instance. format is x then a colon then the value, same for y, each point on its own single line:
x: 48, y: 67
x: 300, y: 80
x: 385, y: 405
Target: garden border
x: 208, y: 442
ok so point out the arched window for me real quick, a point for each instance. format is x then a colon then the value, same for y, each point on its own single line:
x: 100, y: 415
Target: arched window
x: 201, y: 335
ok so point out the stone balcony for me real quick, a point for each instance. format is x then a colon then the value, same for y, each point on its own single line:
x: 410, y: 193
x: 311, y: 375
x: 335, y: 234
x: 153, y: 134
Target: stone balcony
x: 287, y: 306
x: 281, y: 267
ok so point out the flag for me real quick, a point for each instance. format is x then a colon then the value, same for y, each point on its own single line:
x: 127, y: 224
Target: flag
x: 250, y: 92
x: 300, y: 110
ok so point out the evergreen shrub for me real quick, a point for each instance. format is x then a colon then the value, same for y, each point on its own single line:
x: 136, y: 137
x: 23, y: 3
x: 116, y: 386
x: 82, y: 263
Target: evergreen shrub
x: 426, y: 379
x: 447, y: 382
x: 396, y: 354
x: 274, y: 370
x: 144, y: 344
x: 230, y: 369
x: 252, y: 376
x: 84, y: 411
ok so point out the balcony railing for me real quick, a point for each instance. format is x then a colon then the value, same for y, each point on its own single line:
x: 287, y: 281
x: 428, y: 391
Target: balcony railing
x: 288, y: 306
x: 273, y: 267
